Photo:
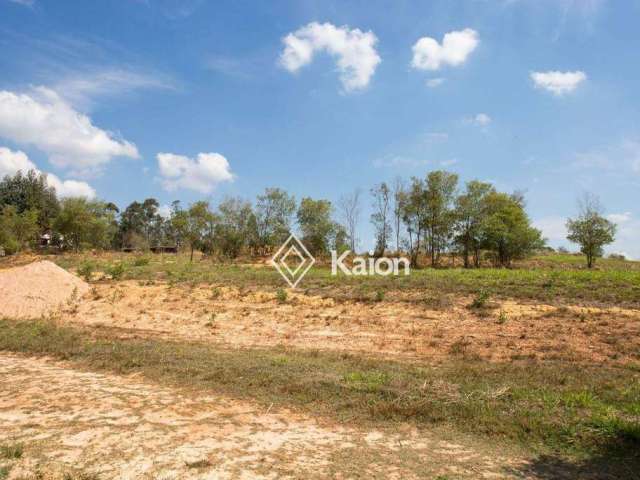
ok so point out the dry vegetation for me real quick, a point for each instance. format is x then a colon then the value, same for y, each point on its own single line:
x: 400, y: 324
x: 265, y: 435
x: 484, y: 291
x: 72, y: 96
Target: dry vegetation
x: 544, y: 358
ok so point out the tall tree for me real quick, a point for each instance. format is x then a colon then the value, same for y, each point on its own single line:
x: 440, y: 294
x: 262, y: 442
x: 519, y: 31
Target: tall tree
x: 349, y: 207
x: 83, y: 222
x: 380, y: 218
x: 590, y: 229
x: 440, y: 190
x: 399, y: 200
x: 237, y: 227
x: 414, y: 217
x: 314, y: 220
x: 470, y: 214
x: 17, y: 230
x: 30, y: 191
x: 274, y: 213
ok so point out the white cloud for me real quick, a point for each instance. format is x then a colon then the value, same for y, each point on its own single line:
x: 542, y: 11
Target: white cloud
x: 479, y: 119
x: 558, y: 83
x: 553, y: 229
x: 81, y: 88
x: 26, y: 3
x: 395, y: 161
x: 201, y: 174
x: 354, y: 50
x: 434, y: 82
x: 456, y: 46
x: 619, y: 217
x: 11, y: 162
x: 44, y: 120
x: 164, y: 211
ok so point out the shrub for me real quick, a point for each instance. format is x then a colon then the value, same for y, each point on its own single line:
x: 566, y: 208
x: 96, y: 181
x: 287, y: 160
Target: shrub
x: 141, y: 261
x: 116, y: 271
x: 480, y: 300
x: 85, y: 270
x: 281, y: 295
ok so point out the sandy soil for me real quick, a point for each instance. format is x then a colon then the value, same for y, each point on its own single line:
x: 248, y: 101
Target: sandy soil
x: 37, y: 289
x: 509, y: 330
x: 122, y: 428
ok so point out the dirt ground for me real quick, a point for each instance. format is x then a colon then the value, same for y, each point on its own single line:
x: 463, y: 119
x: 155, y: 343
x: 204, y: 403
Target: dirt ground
x: 507, y: 330
x: 122, y: 428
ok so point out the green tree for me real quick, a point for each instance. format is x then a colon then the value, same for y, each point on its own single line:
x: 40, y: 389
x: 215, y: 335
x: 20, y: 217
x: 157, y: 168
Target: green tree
x: 314, y: 220
x: 591, y: 230
x: 274, y: 213
x: 82, y: 223
x: 470, y: 213
x: 30, y: 192
x: 413, y: 211
x: 380, y: 218
x: 440, y: 190
x: 506, y: 231
x: 141, y: 226
x: 237, y: 227
x: 17, y: 230
x: 192, y: 225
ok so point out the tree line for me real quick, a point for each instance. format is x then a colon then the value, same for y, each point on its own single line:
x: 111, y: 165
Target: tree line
x: 423, y: 218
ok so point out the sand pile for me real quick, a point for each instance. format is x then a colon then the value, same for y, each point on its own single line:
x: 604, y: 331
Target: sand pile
x: 37, y: 289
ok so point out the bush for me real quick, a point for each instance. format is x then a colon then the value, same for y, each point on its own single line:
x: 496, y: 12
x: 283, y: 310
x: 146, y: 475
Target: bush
x: 85, y: 270
x: 141, y: 261
x: 116, y: 271
x: 281, y: 295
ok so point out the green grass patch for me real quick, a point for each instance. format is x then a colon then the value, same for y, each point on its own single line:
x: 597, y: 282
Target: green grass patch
x: 545, y: 406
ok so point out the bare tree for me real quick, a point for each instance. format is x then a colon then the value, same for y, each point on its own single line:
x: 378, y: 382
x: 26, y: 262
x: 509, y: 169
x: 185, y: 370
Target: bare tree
x: 349, y: 207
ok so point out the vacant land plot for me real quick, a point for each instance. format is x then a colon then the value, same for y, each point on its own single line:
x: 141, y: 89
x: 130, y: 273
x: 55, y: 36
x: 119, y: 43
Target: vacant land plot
x: 454, y: 374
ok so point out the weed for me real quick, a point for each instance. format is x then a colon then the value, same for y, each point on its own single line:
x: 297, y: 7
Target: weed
x: 85, y: 270
x: 141, y: 261
x: 502, y: 317
x: 379, y: 296
x: 480, y: 300
x: 11, y: 451
x: 216, y: 293
x: 116, y: 271
x: 281, y: 295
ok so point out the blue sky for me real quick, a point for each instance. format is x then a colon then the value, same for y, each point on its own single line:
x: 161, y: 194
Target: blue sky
x: 533, y: 95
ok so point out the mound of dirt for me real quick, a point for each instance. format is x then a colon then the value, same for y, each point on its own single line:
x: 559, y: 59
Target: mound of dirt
x: 37, y: 289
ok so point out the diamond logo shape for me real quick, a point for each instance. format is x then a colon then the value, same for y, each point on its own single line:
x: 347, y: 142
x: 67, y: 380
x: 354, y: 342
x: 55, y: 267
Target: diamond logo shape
x: 292, y: 260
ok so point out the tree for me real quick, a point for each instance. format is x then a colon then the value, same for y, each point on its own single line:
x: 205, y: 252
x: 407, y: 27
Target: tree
x: 237, y: 227
x: 30, y: 192
x: 314, y: 220
x: 380, y: 217
x: 141, y: 226
x: 83, y: 222
x: 590, y: 229
x: 399, y: 199
x: 17, y: 230
x: 192, y: 225
x: 274, y: 213
x: 440, y: 189
x: 470, y: 213
x: 506, y: 230
x: 349, y: 206
x: 413, y: 216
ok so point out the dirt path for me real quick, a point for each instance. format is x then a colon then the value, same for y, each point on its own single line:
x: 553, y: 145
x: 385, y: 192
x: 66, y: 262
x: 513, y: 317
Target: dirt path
x: 124, y: 428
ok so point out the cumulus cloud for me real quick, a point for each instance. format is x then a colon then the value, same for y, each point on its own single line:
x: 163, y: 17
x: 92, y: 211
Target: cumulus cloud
x: 454, y: 50
x: 11, y: 162
x: 354, y: 50
x: 43, y: 119
x: 558, y: 83
x: 201, y: 174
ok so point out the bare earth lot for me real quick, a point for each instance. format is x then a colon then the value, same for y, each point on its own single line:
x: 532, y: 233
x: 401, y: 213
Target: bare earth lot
x: 94, y: 418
